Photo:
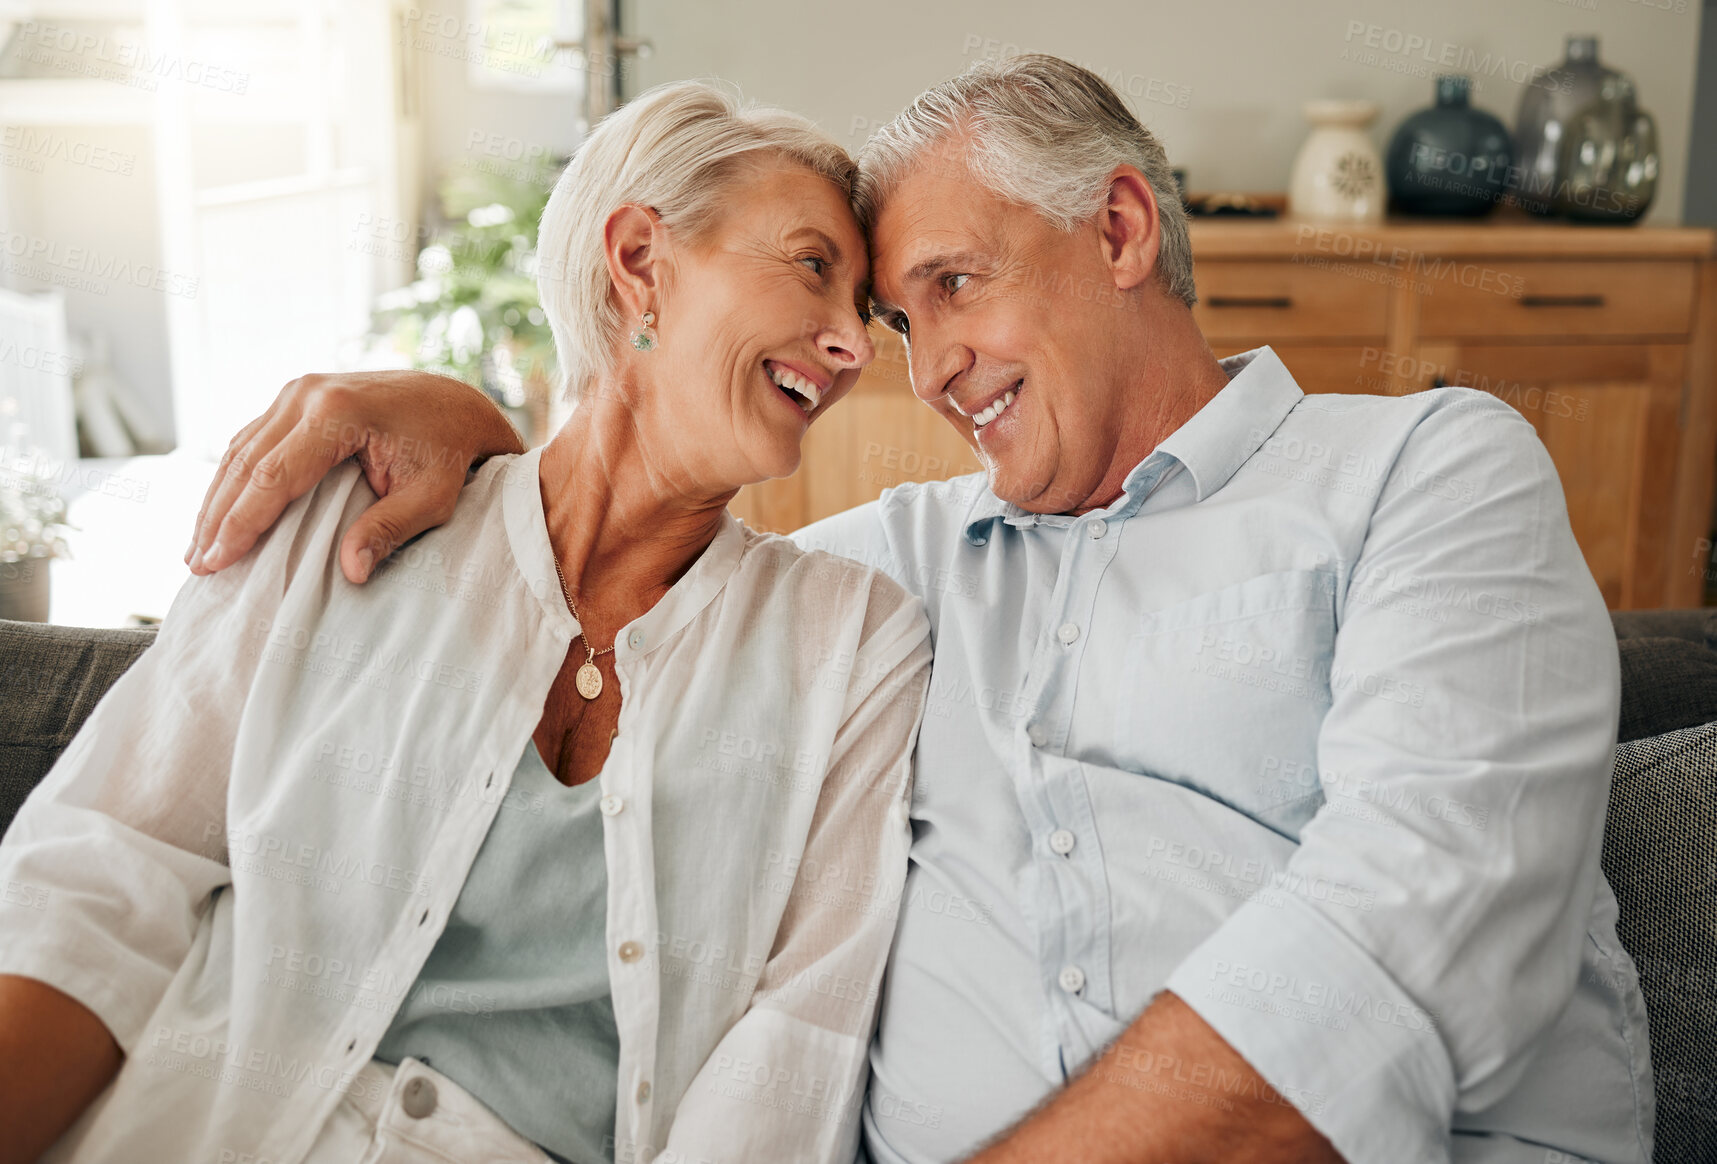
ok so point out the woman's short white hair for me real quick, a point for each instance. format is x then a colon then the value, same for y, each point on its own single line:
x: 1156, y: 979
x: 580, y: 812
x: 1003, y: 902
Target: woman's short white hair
x: 1040, y: 132
x: 677, y: 149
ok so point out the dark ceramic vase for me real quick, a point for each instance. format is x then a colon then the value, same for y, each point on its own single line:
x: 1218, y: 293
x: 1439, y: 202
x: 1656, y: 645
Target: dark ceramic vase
x: 1450, y: 159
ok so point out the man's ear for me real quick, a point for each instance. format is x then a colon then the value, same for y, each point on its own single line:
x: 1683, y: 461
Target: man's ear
x: 636, y: 246
x: 1129, y: 228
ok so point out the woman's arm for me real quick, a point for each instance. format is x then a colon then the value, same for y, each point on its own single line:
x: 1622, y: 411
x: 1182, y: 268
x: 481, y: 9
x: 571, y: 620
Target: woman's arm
x: 415, y: 434
x: 815, y: 1004
x: 111, y: 863
x: 55, y: 1057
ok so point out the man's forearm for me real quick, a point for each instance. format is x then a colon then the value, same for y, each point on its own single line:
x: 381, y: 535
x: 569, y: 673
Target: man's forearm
x: 1170, y: 1090
x: 55, y: 1057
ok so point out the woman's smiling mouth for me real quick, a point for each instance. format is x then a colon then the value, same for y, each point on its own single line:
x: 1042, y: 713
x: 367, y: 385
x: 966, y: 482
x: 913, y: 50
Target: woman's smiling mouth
x: 797, y: 388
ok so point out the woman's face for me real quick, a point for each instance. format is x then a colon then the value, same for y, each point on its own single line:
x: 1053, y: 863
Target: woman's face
x: 762, y: 327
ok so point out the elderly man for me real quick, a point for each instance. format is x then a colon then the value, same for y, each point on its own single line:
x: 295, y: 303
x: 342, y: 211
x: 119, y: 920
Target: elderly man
x: 1260, y: 794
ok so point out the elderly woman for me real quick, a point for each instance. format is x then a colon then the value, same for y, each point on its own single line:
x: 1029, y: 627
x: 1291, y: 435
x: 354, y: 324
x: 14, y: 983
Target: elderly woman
x: 577, y: 833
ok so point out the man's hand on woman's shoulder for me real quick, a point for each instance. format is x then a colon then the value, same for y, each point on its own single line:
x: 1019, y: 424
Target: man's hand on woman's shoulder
x: 415, y: 433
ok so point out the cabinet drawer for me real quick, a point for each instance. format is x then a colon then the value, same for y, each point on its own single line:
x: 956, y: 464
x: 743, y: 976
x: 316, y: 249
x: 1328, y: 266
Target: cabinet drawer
x: 1580, y: 299
x: 1321, y: 368
x: 1237, y: 300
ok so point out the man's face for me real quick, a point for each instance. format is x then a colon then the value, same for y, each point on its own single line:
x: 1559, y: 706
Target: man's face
x: 1010, y: 327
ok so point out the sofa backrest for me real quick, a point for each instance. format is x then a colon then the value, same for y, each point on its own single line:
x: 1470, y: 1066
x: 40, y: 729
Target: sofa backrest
x: 51, y: 678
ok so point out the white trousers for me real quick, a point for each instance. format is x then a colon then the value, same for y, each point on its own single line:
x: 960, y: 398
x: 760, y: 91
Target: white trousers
x: 415, y: 1115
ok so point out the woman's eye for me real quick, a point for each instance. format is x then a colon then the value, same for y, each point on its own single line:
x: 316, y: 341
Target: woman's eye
x: 815, y: 262
x: 955, y: 282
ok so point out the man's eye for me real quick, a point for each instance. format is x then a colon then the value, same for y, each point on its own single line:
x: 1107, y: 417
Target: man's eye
x: 815, y: 262
x: 955, y: 282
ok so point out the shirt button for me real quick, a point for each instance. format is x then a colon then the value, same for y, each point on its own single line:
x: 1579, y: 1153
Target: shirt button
x: 611, y: 805
x: 1097, y: 529
x: 644, y: 1092
x: 418, y: 1098
x: 1072, y: 979
x: 1067, y: 633
x: 1037, y: 735
x: 1061, y: 840
x: 635, y: 640
x: 630, y: 951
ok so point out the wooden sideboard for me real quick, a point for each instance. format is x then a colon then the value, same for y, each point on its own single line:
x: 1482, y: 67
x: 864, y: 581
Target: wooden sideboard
x: 1605, y: 338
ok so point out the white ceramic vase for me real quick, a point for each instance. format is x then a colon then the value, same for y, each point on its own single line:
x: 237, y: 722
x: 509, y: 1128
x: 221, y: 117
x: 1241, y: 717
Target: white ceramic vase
x: 1338, y: 175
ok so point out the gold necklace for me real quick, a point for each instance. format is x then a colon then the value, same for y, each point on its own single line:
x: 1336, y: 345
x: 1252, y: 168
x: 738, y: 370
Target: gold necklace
x: 589, y: 678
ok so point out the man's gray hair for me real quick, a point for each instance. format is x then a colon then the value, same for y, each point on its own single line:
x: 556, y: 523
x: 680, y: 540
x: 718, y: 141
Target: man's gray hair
x: 679, y: 149
x: 1040, y: 132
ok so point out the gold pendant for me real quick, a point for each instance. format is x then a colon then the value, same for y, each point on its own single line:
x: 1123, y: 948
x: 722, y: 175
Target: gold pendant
x: 589, y: 681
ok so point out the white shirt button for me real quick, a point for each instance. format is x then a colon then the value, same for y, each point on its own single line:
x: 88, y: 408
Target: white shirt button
x: 1037, y: 735
x: 630, y: 951
x: 418, y: 1098
x: 1061, y: 840
x: 636, y: 640
x: 1072, y: 979
x: 1097, y: 529
x: 644, y: 1092
x: 611, y: 805
x: 1068, y: 633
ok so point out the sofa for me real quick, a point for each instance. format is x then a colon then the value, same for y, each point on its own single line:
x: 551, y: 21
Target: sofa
x: 1660, y: 842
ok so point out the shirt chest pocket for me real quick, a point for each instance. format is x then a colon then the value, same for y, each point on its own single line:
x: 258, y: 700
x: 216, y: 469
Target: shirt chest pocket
x: 1225, y: 692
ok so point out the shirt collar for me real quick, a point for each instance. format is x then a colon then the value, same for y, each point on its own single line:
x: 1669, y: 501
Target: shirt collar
x: 1225, y: 433
x: 1212, y: 445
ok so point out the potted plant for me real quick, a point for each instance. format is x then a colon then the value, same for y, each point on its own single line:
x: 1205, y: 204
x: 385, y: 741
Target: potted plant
x: 32, y: 532
x: 473, y: 312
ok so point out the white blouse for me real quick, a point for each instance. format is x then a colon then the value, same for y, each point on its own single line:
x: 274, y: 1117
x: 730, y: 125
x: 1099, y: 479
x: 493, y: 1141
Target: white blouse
x: 332, y: 757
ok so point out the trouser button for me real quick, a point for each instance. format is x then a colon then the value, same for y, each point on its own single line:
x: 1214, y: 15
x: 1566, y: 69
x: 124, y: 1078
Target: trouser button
x: 418, y: 1099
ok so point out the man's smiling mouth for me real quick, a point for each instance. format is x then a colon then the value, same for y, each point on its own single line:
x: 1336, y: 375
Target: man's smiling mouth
x: 997, y: 406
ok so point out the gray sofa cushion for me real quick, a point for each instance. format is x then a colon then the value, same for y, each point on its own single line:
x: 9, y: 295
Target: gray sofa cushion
x: 1660, y: 855
x: 51, y: 678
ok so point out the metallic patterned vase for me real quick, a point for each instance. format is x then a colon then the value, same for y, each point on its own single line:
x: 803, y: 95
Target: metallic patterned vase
x: 1607, y: 167
x: 1450, y: 159
x: 1583, y: 147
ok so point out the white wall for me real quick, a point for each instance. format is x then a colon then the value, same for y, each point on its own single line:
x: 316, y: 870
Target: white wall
x: 495, y: 128
x: 1220, y: 81
x: 108, y: 205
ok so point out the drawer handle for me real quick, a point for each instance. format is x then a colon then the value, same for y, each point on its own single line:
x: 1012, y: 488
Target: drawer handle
x: 1561, y: 300
x: 1250, y: 301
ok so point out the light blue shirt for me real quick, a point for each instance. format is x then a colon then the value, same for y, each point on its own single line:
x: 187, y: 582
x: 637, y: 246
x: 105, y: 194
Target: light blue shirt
x: 1312, y: 726
x: 514, y: 1003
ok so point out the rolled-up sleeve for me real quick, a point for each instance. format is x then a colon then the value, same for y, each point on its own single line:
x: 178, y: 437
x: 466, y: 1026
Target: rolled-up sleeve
x: 1430, y: 925
x: 811, y: 1016
x: 121, y: 847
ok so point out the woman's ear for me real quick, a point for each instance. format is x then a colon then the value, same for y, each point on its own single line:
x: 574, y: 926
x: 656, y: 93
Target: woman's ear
x: 636, y: 247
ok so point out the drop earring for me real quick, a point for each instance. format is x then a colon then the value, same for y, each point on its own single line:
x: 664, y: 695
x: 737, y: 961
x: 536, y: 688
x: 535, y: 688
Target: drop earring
x: 644, y: 336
